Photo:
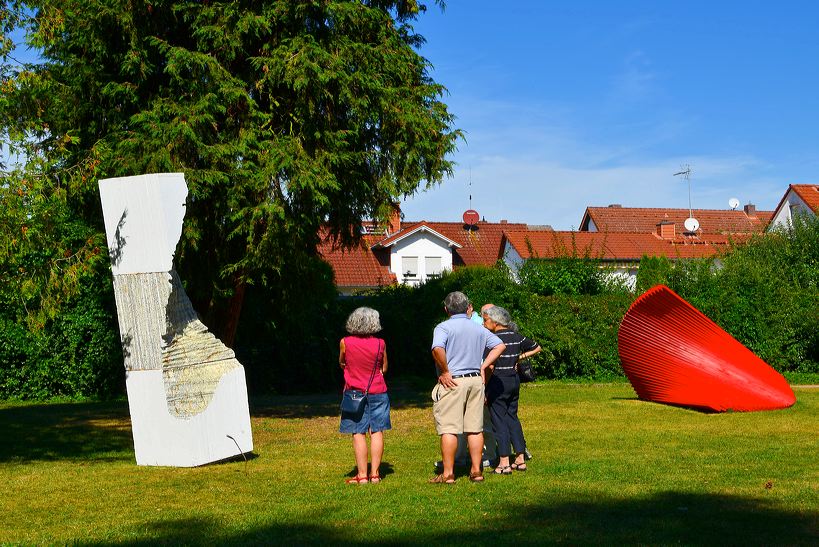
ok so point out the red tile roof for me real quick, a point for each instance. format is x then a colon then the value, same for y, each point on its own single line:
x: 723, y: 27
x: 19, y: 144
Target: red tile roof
x: 480, y: 246
x: 809, y: 194
x: 360, y: 266
x: 642, y: 220
x: 616, y: 246
x: 410, y: 229
x: 368, y: 264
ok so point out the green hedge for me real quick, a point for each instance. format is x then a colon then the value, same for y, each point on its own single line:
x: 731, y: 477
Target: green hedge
x: 77, y: 355
x: 765, y: 294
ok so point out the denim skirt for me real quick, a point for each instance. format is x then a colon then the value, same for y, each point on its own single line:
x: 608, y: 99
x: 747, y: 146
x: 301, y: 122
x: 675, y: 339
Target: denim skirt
x: 374, y: 417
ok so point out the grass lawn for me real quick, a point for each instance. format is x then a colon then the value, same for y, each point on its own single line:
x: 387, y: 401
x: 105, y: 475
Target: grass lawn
x: 607, y: 468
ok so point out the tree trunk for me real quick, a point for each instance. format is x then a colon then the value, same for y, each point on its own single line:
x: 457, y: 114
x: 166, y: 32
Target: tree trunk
x: 226, y: 322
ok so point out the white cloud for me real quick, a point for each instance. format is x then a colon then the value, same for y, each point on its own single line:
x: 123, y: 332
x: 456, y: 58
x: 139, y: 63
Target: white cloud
x: 546, y: 188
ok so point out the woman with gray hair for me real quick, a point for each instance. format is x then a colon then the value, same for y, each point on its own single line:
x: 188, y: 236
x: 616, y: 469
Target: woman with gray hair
x: 363, y: 357
x: 503, y: 389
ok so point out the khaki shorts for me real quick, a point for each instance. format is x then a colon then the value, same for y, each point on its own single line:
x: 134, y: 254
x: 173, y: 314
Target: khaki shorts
x: 460, y: 409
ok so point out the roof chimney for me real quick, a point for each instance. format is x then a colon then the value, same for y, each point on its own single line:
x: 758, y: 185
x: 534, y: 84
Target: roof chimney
x: 395, y: 219
x: 666, y: 229
x: 503, y: 221
x: 750, y: 210
x: 616, y: 205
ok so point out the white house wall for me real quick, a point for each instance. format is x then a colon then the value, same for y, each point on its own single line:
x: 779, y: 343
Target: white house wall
x: 420, y: 244
x: 513, y: 260
x: 782, y: 217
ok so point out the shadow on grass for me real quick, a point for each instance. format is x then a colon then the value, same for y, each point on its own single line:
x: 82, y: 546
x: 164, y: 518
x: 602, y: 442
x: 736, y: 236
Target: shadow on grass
x: 402, y: 395
x: 667, y: 518
x: 77, y: 431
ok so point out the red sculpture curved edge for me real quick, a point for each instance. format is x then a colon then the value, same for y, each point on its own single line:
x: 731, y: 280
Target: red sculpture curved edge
x: 674, y: 354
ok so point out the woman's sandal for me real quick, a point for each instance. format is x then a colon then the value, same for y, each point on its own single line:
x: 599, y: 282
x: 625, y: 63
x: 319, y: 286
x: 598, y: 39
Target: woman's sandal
x: 442, y: 479
x: 357, y: 480
x: 518, y: 466
x: 375, y: 479
x: 477, y: 476
x: 505, y: 470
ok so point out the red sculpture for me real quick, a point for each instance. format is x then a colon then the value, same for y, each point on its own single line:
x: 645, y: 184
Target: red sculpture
x: 674, y: 354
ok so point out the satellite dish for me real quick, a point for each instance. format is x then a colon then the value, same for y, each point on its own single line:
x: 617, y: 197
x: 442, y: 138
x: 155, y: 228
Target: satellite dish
x: 691, y: 224
x: 471, y: 217
x: 733, y: 203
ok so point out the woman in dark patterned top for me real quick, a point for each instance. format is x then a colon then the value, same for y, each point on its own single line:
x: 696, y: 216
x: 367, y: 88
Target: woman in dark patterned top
x: 503, y: 389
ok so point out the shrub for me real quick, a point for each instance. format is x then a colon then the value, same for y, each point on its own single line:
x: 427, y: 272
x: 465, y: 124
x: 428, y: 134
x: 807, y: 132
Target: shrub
x: 76, y: 355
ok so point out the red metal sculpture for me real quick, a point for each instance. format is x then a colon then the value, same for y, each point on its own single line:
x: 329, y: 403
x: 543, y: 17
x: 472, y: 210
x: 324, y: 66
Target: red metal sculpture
x: 674, y: 354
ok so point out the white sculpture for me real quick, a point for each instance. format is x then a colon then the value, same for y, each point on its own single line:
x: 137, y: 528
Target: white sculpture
x: 186, y: 390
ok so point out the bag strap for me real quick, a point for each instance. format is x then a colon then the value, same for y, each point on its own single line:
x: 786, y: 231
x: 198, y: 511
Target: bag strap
x: 375, y: 366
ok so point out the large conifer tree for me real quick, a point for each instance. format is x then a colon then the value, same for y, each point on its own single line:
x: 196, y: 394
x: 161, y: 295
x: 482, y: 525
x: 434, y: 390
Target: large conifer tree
x: 283, y: 114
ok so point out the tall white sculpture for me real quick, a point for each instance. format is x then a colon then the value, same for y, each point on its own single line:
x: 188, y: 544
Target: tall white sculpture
x: 186, y: 390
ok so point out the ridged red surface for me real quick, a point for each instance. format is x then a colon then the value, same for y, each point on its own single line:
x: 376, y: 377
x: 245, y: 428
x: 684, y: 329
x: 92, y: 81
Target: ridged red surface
x: 674, y: 354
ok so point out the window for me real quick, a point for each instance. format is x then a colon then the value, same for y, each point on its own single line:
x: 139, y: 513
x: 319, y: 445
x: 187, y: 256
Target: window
x: 410, y: 266
x: 433, y: 266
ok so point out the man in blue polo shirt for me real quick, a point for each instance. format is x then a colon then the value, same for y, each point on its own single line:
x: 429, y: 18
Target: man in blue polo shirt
x: 458, y: 346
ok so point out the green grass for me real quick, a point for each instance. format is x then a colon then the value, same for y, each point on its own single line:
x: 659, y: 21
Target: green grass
x: 607, y: 469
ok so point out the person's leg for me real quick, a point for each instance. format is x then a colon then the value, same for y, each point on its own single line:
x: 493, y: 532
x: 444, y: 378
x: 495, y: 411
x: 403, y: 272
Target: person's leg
x: 449, y: 443
x: 498, y: 413
x: 360, y: 450
x: 516, y: 429
x: 461, y: 453
x: 475, y: 443
x: 376, y: 452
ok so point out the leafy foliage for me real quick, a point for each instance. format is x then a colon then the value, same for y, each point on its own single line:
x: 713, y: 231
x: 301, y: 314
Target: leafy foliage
x: 572, y: 271
x: 284, y: 116
x: 75, y: 355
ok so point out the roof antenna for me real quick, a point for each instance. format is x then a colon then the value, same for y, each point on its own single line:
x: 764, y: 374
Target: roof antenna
x: 691, y: 224
x: 470, y: 187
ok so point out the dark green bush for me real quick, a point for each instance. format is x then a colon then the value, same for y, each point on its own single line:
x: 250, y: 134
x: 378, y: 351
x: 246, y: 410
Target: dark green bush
x: 77, y: 355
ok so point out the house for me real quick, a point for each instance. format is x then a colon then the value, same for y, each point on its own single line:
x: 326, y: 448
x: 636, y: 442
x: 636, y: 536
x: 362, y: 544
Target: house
x: 413, y: 252
x: 798, y: 199
x: 616, y: 218
x: 619, y: 252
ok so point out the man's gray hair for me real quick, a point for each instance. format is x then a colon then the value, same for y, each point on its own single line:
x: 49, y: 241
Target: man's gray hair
x: 363, y: 321
x: 499, y: 315
x: 456, y: 302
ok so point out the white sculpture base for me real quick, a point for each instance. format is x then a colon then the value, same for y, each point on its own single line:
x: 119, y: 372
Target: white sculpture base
x: 220, y: 432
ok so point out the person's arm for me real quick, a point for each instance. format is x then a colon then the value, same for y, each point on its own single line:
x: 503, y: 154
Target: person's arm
x: 534, y: 349
x: 493, y: 354
x: 384, y: 362
x: 342, y: 357
x: 444, y: 376
x: 486, y: 371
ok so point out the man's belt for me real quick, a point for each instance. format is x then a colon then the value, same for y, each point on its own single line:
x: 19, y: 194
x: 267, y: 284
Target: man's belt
x: 467, y: 375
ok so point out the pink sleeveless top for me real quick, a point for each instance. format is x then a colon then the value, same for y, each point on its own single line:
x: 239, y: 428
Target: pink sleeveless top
x: 360, y: 353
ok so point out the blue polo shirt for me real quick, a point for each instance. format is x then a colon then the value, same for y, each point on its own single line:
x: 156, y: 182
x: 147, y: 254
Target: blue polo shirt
x: 464, y: 342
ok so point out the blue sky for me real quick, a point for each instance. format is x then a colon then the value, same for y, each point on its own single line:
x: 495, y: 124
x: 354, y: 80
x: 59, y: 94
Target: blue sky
x: 577, y: 103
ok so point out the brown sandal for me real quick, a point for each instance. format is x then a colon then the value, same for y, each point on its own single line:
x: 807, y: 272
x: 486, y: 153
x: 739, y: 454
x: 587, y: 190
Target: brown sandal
x: 357, y: 480
x: 442, y: 479
x: 375, y: 479
x: 477, y: 476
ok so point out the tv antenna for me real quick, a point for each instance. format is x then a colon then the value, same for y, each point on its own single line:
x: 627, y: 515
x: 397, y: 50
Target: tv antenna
x: 470, y: 187
x: 691, y: 224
